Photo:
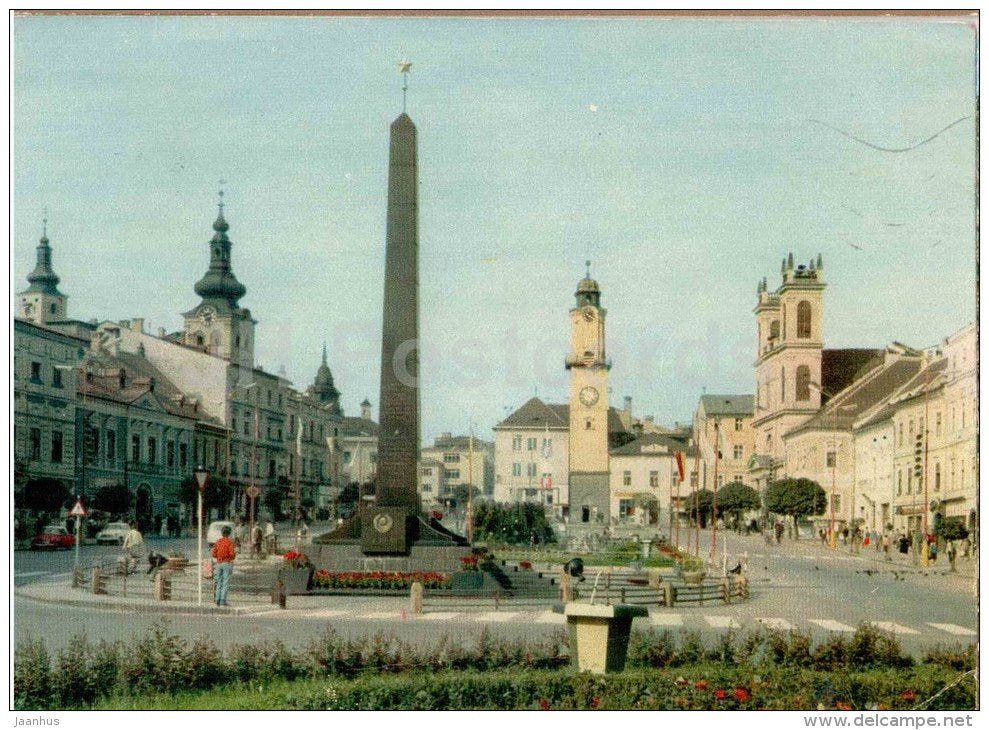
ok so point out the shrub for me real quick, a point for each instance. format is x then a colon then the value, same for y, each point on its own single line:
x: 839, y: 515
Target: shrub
x: 155, y: 663
x: 204, y: 666
x: 956, y: 657
x: 72, y: 682
x: 32, y: 676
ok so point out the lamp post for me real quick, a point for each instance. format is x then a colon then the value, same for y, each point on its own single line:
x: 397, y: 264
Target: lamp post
x: 202, y: 477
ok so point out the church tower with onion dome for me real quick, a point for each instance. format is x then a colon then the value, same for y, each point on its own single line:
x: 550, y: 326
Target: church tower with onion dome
x: 218, y: 325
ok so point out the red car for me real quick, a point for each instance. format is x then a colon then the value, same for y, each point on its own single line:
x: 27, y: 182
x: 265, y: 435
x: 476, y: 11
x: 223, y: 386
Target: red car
x: 54, y: 537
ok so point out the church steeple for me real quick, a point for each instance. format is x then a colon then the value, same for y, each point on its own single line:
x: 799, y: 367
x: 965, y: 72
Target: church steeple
x: 42, y: 302
x: 43, y: 279
x: 588, y: 291
x: 219, y: 282
x: 323, y: 387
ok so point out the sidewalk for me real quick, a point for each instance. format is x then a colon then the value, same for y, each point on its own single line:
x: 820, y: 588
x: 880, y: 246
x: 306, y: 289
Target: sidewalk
x: 134, y: 593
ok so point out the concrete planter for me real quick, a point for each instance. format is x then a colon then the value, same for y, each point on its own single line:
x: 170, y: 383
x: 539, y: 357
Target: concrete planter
x: 599, y: 634
x: 295, y: 580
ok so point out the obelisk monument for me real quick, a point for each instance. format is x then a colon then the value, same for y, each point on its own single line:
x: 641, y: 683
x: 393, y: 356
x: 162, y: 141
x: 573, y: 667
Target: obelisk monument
x: 393, y: 525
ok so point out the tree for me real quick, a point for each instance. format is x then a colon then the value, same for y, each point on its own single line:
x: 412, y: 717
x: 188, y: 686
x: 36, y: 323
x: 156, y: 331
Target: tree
x: 699, y: 505
x: 217, y: 494
x: 796, y: 498
x: 735, y: 498
x: 115, y: 499
x: 460, y: 493
x: 272, y: 498
x: 45, y: 495
x: 951, y: 530
x: 513, y: 524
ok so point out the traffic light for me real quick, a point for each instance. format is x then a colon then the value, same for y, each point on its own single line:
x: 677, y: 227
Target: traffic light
x: 89, y: 443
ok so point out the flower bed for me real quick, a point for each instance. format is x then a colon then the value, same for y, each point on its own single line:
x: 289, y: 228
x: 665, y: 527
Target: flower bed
x: 378, y: 579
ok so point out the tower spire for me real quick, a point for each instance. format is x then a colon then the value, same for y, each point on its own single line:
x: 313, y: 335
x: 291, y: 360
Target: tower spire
x: 324, y: 352
x: 219, y: 282
x: 43, y: 278
x: 404, y: 67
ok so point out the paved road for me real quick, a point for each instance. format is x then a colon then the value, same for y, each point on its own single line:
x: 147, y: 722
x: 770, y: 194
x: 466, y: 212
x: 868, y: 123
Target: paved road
x: 794, y: 585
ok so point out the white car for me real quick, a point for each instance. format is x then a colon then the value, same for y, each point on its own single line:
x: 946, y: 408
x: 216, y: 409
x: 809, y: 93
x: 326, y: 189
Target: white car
x: 113, y: 534
x: 215, y: 531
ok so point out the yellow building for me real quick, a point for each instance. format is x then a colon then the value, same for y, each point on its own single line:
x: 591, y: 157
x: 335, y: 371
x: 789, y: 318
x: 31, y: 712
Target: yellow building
x: 728, y: 419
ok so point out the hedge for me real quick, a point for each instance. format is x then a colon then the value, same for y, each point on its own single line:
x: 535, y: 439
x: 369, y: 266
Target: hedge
x: 762, y: 668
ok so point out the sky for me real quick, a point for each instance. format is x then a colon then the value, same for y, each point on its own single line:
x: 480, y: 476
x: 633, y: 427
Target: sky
x: 685, y: 158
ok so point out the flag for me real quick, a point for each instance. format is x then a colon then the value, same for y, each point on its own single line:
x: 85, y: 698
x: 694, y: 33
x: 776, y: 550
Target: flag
x: 680, y: 464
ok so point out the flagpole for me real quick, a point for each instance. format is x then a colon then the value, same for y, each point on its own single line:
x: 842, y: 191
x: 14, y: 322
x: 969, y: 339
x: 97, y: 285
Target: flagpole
x: 676, y: 524
x: 697, y: 512
x: 714, y: 493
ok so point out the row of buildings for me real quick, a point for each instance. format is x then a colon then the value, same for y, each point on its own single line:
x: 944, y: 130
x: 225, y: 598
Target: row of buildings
x: 889, y: 433
x: 99, y: 404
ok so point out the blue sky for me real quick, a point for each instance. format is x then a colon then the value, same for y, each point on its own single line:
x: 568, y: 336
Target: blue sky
x: 684, y: 157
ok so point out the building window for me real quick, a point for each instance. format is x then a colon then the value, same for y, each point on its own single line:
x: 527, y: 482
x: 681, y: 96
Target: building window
x: 531, y: 444
x: 803, y: 383
x: 373, y: 457
x: 56, y: 378
x: 516, y: 469
x: 35, y: 372
x: 170, y: 454
x: 626, y: 507
x: 738, y: 479
x: 346, y: 457
x: 111, y: 447
x: 56, y: 447
x: 135, y: 448
x: 516, y: 443
x: 774, y: 330
x: 531, y: 470
x: 627, y: 478
x: 737, y: 451
x: 836, y: 502
x: 803, y: 321
x: 183, y: 456
x: 899, y: 436
x: 427, y: 488
x: 782, y: 384
x: 937, y: 424
x: 451, y: 473
x: 909, y: 481
x: 427, y: 471
x: 451, y: 458
x: 738, y: 424
x: 152, y: 450
x: 899, y: 482
x: 937, y: 477
x: 832, y: 460
x: 654, y: 479
x: 910, y: 431
x: 246, y: 431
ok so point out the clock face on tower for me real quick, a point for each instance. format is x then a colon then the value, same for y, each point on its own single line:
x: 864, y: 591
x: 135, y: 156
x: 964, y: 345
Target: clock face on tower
x: 206, y: 314
x: 588, y: 395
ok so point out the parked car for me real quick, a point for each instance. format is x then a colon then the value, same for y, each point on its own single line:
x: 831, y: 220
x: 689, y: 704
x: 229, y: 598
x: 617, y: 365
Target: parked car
x: 214, y: 532
x: 113, y: 534
x: 54, y: 537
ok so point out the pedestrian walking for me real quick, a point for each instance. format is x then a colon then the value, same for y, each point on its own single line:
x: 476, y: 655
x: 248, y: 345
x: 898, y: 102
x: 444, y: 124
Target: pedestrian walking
x: 904, y: 542
x: 844, y: 536
x: 952, y: 554
x: 223, y: 558
x: 239, y: 533
x: 269, y: 536
x: 778, y: 529
x: 886, y: 542
x: 932, y: 550
x: 256, y: 537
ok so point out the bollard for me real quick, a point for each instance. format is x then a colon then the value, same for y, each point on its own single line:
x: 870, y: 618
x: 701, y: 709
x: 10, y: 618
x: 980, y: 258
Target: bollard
x: 415, y: 599
x: 99, y: 581
x: 278, y: 593
x: 655, y: 579
x: 726, y: 587
x: 667, y: 595
x: 163, y: 587
x: 76, y: 577
x: 566, y: 588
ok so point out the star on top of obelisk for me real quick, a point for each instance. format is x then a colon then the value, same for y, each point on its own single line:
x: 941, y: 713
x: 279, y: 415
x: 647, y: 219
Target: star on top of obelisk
x: 404, y: 66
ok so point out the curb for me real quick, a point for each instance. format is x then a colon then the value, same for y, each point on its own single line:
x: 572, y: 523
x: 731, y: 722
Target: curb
x: 149, y: 606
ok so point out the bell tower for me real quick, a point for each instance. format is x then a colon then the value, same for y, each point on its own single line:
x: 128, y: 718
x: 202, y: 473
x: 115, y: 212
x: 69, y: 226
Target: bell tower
x: 788, y: 355
x: 218, y: 325
x: 588, y: 366
x: 42, y: 302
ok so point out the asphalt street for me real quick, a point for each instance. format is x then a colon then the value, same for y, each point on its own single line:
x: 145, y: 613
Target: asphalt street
x: 801, y: 585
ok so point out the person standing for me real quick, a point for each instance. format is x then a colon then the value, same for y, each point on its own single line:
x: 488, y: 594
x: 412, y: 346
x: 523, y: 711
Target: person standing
x: 133, y: 546
x: 223, y: 556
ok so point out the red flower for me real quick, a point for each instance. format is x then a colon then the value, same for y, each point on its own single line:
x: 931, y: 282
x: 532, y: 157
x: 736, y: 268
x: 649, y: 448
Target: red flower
x: 720, y: 694
x: 596, y: 701
x: 842, y: 705
x: 700, y: 684
x: 908, y: 694
x: 741, y: 694
x: 543, y: 703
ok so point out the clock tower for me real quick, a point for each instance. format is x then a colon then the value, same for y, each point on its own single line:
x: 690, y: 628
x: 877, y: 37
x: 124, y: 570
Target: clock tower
x: 588, y: 366
x: 218, y: 325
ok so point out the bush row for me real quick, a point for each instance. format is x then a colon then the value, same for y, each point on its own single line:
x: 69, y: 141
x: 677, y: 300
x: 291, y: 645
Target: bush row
x: 705, y: 687
x: 160, y: 662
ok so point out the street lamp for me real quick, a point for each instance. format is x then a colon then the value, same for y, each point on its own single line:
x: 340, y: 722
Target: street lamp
x: 202, y: 477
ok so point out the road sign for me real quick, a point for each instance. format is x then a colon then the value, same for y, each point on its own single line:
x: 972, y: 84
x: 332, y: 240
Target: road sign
x: 78, y: 510
x: 252, y: 492
x: 202, y: 477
